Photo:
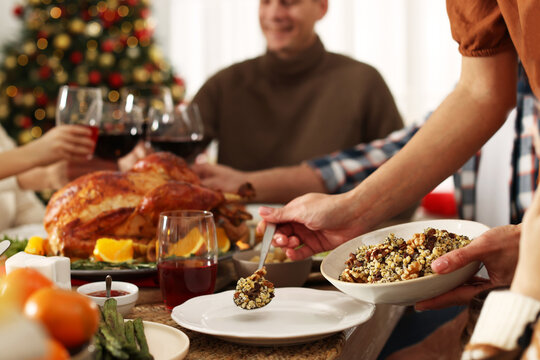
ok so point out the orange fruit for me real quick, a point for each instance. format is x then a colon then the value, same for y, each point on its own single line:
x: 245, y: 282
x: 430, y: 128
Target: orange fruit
x: 113, y: 250
x: 69, y: 317
x: 192, y: 243
x: 242, y: 245
x: 55, y: 351
x: 223, y: 242
x: 21, y: 283
x: 35, y: 246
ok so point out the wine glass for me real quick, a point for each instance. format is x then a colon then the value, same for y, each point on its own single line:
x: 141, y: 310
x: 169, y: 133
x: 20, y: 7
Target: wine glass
x: 80, y: 106
x: 180, y: 132
x: 120, y: 129
x: 187, y: 255
x: 148, y: 97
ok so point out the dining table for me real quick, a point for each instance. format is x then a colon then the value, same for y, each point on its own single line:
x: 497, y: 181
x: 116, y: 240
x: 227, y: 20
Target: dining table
x: 364, y: 341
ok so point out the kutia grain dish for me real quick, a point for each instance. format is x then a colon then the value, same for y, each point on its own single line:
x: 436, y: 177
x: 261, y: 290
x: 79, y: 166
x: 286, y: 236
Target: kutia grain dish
x: 254, y: 291
x: 397, y: 259
x: 273, y: 257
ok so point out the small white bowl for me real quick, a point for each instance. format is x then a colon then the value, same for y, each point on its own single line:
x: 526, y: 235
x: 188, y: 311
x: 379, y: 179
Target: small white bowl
x: 124, y: 302
x: 406, y: 292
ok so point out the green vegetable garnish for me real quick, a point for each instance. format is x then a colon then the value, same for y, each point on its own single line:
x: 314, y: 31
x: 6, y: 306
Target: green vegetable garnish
x: 15, y: 247
x: 88, y: 264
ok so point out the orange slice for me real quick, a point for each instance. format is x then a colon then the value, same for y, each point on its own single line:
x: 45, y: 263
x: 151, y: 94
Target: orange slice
x: 35, y: 246
x: 113, y: 250
x: 223, y: 242
x: 192, y: 243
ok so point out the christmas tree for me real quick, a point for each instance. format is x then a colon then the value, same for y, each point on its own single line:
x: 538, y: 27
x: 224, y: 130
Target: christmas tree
x: 98, y: 43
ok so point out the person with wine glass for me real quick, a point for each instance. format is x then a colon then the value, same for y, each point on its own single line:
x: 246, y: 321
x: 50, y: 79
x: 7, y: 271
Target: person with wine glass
x: 69, y: 142
x: 31, y: 167
x: 297, y: 100
x: 116, y: 129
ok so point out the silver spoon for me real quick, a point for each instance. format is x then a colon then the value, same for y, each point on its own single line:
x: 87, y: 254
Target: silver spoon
x: 108, y: 283
x: 266, y: 242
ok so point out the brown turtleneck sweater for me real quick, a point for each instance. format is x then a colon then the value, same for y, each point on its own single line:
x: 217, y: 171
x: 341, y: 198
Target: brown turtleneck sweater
x: 268, y: 112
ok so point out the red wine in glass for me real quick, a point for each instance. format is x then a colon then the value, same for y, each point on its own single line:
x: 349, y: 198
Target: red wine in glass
x: 183, y: 279
x: 184, y: 147
x: 94, y: 133
x: 115, y: 145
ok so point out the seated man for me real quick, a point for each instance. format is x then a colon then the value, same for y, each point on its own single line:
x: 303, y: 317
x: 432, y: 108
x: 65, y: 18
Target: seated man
x: 297, y: 101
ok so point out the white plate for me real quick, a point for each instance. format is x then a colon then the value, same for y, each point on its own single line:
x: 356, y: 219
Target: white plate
x: 295, y: 316
x: 405, y: 292
x: 165, y: 342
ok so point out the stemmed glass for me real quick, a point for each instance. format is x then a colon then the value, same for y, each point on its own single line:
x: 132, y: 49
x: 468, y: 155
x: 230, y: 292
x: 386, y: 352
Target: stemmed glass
x: 148, y: 97
x: 180, y: 132
x: 120, y: 129
x: 80, y: 106
x: 187, y: 255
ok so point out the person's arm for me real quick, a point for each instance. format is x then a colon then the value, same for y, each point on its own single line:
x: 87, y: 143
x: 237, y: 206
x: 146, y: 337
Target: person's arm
x: 68, y: 142
x: 342, y: 171
x: 505, y: 314
x: 276, y: 185
x: 51, y: 177
x: 465, y: 120
x: 16, y: 161
x: 333, y: 173
x: 55, y: 176
x: 503, y: 319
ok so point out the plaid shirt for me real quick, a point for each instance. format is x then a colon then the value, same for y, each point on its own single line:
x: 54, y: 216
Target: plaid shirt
x: 342, y: 171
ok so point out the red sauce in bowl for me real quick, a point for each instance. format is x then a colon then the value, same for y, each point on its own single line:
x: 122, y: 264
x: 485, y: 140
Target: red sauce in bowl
x: 103, y: 293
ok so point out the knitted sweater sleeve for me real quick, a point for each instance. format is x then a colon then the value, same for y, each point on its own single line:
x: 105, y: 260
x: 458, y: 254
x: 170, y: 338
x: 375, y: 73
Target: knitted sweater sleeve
x: 503, y: 320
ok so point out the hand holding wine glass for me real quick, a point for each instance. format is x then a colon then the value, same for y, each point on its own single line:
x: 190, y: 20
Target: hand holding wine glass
x: 80, y: 106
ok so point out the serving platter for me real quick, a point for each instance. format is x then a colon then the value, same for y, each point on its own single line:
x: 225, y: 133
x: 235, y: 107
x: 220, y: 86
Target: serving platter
x: 117, y: 274
x: 126, y: 274
x: 120, y: 274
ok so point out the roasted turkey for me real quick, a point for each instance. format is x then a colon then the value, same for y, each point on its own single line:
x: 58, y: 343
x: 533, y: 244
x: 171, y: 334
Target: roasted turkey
x: 126, y: 205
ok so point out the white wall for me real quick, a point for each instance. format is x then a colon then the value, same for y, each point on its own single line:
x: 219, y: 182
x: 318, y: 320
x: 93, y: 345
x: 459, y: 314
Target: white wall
x: 408, y: 41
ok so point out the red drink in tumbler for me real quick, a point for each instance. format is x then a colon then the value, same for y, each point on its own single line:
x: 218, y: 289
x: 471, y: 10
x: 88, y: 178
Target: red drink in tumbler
x: 183, y: 279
